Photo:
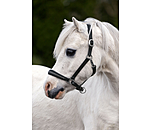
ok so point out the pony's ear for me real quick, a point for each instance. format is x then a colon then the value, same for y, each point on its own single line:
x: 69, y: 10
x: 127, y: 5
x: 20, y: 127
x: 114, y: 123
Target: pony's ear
x: 67, y: 22
x: 81, y: 27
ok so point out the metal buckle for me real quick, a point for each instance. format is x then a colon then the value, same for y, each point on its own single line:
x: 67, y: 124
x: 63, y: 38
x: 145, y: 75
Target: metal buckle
x: 91, y: 42
x: 89, y: 57
x: 70, y: 80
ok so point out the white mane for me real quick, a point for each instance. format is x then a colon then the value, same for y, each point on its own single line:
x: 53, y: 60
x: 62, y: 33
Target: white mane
x: 108, y: 39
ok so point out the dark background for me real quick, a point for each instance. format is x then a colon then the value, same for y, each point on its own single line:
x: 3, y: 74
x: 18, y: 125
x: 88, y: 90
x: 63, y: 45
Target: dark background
x: 48, y: 16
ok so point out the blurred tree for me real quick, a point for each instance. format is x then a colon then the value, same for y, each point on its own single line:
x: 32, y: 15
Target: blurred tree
x: 48, y: 18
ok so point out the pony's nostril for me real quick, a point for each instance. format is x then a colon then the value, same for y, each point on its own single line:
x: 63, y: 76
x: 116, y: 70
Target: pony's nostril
x: 47, y: 87
x: 54, y: 92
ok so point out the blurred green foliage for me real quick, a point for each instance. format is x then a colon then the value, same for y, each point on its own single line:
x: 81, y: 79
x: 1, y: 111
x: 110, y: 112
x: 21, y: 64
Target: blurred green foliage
x: 48, y: 16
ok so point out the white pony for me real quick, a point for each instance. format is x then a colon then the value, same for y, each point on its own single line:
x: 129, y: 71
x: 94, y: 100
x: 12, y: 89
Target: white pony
x: 98, y: 108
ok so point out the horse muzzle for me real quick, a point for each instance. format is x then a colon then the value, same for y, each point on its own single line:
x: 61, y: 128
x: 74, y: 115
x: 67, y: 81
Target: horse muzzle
x: 55, y: 92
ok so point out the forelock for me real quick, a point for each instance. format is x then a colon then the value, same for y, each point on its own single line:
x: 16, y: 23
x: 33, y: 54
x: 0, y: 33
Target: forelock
x: 67, y: 29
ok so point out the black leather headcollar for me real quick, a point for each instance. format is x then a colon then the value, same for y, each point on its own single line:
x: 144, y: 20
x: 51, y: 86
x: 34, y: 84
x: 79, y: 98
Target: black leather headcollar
x: 88, y: 58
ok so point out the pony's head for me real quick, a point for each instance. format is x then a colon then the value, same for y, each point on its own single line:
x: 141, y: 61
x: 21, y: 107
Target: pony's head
x: 71, y: 50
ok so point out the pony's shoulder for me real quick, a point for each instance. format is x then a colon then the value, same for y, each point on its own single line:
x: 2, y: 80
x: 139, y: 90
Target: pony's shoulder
x: 39, y: 74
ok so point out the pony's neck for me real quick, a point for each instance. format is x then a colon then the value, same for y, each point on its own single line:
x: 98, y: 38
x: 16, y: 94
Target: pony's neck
x: 99, y: 86
x: 100, y: 102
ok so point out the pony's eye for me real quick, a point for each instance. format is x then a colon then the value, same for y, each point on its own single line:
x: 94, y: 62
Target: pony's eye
x: 70, y: 52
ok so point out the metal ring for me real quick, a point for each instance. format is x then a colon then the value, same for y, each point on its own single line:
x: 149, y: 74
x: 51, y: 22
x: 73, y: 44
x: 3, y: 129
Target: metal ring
x: 83, y: 91
x: 89, y: 57
x: 91, y: 41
